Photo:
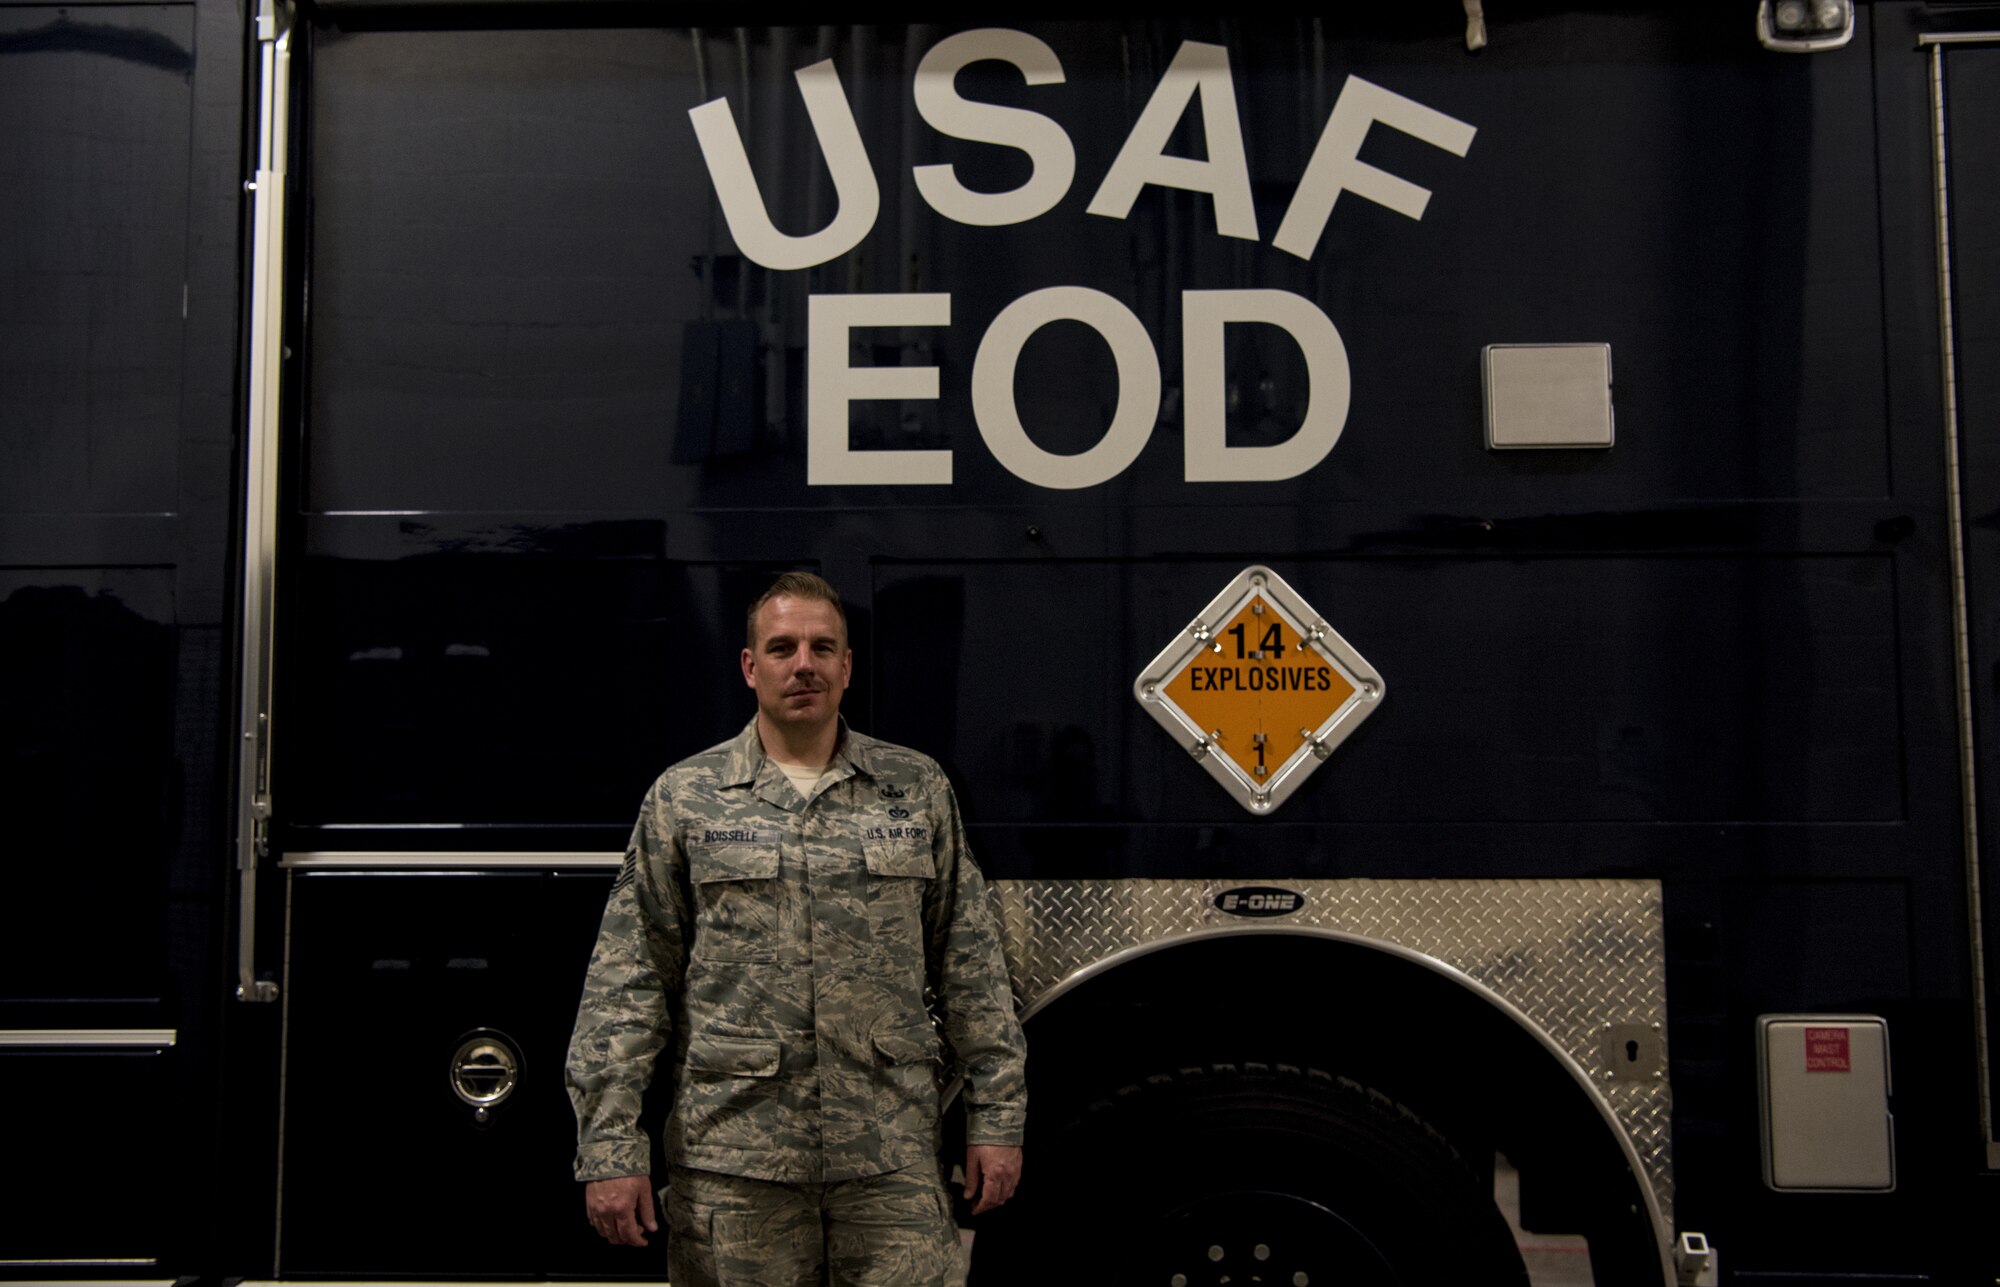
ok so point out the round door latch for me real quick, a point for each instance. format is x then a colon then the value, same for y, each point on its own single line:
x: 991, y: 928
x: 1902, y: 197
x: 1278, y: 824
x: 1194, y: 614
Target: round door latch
x: 484, y: 1070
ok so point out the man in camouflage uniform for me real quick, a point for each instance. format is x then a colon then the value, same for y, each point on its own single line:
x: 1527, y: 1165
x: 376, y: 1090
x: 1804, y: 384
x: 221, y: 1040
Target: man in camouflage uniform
x: 788, y: 900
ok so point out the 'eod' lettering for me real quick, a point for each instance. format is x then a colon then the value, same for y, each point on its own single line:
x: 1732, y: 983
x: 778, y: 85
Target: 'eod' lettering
x: 1198, y: 71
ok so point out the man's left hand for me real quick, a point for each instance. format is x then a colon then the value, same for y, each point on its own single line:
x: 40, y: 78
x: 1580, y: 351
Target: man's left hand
x: 992, y: 1172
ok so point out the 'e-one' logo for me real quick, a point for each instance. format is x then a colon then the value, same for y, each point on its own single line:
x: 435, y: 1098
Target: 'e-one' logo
x: 1259, y: 900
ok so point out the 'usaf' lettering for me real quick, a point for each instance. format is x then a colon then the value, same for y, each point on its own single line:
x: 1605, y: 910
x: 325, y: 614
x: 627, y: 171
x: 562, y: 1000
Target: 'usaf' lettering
x: 1199, y: 72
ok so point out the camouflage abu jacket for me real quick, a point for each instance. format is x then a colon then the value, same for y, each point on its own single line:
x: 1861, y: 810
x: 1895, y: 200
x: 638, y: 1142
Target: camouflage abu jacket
x: 779, y: 950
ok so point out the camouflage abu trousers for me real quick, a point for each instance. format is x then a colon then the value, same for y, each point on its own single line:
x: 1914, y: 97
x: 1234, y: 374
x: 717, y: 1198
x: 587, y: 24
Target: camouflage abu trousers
x: 892, y: 1230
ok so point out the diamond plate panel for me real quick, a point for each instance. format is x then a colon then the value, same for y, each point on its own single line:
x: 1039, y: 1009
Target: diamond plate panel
x: 1574, y: 956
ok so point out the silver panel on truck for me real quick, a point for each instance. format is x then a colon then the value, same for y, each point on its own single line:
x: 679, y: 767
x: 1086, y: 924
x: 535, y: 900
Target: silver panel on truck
x: 1548, y: 395
x: 1574, y: 957
x: 1827, y: 1125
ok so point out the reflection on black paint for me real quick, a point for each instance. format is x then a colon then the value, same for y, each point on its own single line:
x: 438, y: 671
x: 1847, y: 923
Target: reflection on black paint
x: 402, y: 951
x: 94, y: 252
x: 605, y: 294
x: 506, y: 678
x: 127, y: 44
x: 86, y: 754
x: 1645, y: 689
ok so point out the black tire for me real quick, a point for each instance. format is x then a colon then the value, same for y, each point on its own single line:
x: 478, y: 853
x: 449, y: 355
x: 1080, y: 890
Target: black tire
x: 1247, y: 1174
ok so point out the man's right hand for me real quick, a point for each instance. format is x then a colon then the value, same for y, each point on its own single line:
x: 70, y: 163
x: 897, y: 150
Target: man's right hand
x: 619, y: 1207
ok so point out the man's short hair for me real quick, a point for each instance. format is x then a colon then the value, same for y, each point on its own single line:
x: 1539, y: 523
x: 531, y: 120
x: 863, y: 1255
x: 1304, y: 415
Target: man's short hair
x: 794, y: 585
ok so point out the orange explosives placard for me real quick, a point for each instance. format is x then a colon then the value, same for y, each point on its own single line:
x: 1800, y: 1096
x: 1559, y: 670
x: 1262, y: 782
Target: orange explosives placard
x: 1259, y: 689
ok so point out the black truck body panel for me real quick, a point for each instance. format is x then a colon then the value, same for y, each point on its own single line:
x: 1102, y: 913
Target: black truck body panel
x: 547, y: 429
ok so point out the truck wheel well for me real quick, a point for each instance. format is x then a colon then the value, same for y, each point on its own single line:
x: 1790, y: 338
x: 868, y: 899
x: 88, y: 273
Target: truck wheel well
x: 1270, y: 1172
x: 1429, y: 1037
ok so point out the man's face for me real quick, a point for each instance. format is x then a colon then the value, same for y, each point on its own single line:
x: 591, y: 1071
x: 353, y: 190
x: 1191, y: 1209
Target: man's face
x: 801, y: 663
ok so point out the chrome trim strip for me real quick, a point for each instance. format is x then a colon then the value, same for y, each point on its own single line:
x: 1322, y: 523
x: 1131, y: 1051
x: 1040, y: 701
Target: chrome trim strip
x: 420, y: 860
x: 260, y: 483
x: 1662, y: 1236
x: 1960, y: 612
x: 86, y: 1263
x: 87, y: 1039
x: 1933, y: 38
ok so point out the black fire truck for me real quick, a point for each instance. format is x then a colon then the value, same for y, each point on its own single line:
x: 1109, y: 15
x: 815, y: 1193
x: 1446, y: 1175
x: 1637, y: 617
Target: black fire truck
x: 1452, y: 557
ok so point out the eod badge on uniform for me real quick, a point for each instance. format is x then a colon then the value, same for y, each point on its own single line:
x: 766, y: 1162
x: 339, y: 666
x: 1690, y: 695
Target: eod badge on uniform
x: 1259, y: 689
